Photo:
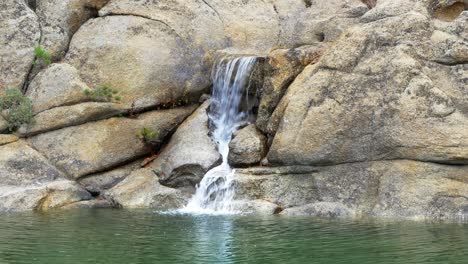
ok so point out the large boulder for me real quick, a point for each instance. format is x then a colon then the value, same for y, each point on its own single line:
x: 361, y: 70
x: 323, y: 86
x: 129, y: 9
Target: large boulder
x: 248, y: 147
x: 100, y: 145
x: 384, y: 189
x: 19, y: 33
x: 60, y: 19
x: 159, y: 52
x: 59, y: 100
x: 142, y: 189
x: 65, y: 116
x: 28, y: 181
x: 281, y: 68
x: 145, y: 61
x: 317, y: 21
x: 98, y: 182
x: 376, y: 95
x: 195, y: 21
x: 58, y: 85
x: 190, y: 153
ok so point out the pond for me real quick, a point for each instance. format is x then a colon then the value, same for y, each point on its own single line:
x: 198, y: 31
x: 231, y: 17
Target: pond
x: 119, y: 236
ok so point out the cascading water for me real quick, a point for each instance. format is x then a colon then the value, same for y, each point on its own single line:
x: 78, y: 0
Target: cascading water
x: 231, y: 77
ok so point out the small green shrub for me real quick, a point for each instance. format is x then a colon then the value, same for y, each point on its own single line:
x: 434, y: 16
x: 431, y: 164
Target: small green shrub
x: 148, y: 135
x: 16, y: 107
x: 42, y: 55
x: 103, y: 93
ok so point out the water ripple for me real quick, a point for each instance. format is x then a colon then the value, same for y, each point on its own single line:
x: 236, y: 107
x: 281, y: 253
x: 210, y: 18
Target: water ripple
x: 113, y: 236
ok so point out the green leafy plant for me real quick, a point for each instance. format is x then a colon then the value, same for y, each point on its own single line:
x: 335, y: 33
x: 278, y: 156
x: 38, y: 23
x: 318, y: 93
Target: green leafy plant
x: 148, y: 135
x: 42, y: 55
x: 103, y: 93
x: 16, y: 108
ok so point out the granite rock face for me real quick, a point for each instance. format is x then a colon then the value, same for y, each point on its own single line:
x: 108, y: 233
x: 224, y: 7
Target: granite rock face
x: 363, y: 106
x: 60, y: 19
x: 382, y: 189
x: 19, y: 33
x: 101, y: 145
x: 378, y: 94
x: 190, y: 152
x: 281, y: 68
x: 144, y: 60
x: 142, y: 189
x: 58, y: 85
x: 29, y: 182
x: 248, y: 147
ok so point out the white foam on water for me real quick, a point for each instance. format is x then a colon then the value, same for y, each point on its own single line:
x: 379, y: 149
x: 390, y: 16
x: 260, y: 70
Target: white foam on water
x: 231, y: 76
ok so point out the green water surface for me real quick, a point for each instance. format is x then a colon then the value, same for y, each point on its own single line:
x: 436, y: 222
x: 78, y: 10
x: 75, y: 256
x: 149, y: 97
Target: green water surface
x: 118, y: 236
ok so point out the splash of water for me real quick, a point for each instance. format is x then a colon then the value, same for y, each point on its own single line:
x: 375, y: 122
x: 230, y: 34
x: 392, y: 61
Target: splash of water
x: 231, y: 77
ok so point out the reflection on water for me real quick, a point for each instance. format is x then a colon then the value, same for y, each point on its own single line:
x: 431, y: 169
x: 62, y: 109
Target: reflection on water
x: 113, y: 236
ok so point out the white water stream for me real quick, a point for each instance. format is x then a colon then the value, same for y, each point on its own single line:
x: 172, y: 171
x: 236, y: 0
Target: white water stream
x: 231, y: 76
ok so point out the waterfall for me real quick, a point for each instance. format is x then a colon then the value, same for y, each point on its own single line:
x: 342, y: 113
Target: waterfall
x: 231, y: 77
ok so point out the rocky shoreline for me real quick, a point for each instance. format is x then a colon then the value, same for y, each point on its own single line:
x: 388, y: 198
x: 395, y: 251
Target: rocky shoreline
x: 361, y: 112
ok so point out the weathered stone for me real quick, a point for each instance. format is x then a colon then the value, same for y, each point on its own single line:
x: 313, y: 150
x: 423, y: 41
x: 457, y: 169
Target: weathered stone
x: 320, y: 209
x: 19, y: 32
x: 21, y: 165
x: 90, y: 204
x: 389, y: 8
x: 246, y: 26
x: 62, y: 193
x: 254, y: 207
x: 251, y: 25
x: 28, y: 181
x: 97, y: 183
x: 372, y: 97
x: 385, y: 189
x: 449, y: 42
x: 142, y: 189
x: 195, y: 21
x: 97, y: 146
x: 7, y: 138
x: 282, y: 67
x: 145, y: 61
x: 42, y: 197
x: 448, y: 10
x: 247, y: 147
x: 60, y: 19
x: 190, y: 153
x: 182, y: 37
x: 58, y: 85
x: 65, y: 116
x: 318, y: 26
x: 3, y: 124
